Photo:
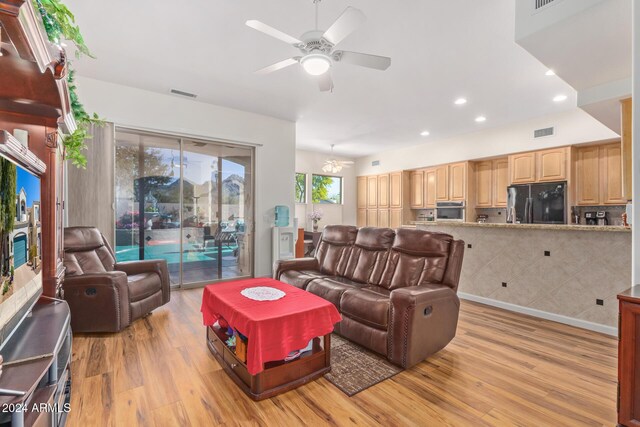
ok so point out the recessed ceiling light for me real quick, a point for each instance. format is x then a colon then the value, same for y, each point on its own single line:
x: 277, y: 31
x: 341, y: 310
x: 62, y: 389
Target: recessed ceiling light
x: 550, y: 73
x: 460, y: 101
x: 424, y: 133
x: 560, y: 98
x: 481, y: 119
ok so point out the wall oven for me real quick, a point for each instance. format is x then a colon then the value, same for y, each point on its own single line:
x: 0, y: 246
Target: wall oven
x: 450, y: 211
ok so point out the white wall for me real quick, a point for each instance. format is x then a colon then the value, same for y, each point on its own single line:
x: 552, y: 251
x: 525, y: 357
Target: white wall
x: 572, y: 127
x: 310, y: 162
x: 275, y: 159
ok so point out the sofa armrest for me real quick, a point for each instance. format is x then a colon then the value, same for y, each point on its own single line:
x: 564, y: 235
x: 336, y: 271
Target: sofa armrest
x: 423, y: 321
x: 281, y: 266
x: 99, y: 302
x: 158, y: 266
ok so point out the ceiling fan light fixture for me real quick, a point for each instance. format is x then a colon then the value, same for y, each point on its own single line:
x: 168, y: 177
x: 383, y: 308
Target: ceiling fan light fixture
x: 316, y: 64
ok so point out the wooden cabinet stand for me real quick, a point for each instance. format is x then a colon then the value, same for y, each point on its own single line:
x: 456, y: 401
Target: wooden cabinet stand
x: 629, y: 358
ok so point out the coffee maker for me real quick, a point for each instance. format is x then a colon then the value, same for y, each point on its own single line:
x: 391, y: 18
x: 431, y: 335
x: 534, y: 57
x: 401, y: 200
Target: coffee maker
x: 602, y: 218
x: 591, y: 218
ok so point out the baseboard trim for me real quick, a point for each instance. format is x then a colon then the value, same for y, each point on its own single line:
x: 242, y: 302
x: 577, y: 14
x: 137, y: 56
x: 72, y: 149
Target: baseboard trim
x: 596, y: 327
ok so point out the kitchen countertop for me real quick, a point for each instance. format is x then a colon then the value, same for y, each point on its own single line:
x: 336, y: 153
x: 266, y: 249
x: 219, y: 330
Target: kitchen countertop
x: 559, y: 227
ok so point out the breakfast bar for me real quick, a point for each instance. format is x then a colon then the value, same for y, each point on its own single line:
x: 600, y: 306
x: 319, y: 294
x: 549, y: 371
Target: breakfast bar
x: 569, y: 273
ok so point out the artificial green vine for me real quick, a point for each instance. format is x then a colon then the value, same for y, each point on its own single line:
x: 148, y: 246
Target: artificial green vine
x: 59, y: 24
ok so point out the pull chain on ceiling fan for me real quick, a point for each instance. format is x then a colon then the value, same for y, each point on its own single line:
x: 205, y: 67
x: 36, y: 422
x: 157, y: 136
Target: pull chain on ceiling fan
x: 317, y: 47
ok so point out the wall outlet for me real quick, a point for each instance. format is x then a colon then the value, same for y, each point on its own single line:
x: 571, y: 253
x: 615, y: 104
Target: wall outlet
x: 599, y: 302
x: 547, y: 253
x: 504, y: 284
x: 469, y: 246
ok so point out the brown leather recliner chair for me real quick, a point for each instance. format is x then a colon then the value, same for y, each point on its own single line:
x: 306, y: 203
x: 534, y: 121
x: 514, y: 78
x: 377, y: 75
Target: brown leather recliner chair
x: 105, y: 296
x: 396, y: 290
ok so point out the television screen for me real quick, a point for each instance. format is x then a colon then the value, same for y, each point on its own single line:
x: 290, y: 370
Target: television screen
x: 20, y: 245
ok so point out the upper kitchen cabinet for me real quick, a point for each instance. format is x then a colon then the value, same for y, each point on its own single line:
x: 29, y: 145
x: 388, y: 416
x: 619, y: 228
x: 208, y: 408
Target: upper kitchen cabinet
x: 430, y: 188
x: 500, y: 182
x: 417, y: 189
x: 442, y: 183
x: 395, y: 190
x: 598, y: 175
x: 611, y: 174
x: 484, y: 185
x: 491, y: 182
x: 383, y: 191
x: 523, y: 168
x: 627, y: 167
x: 372, y: 192
x: 458, y: 181
x: 552, y: 164
x: 362, y: 192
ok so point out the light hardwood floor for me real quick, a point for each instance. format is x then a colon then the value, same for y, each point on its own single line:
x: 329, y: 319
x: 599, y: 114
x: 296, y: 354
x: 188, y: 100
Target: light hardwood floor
x: 502, y: 369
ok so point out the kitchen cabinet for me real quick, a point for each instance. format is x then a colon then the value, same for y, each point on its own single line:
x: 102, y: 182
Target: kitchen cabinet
x: 458, y: 181
x: 551, y: 165
x: 484, y: 184
x: 442, y: 183
x: 598, y: 175
x: 523, y: 168
x: 611, y: 174
x: 626, y: 107
x: 372, y: 192
x: 500, y: 182
x: 430, y: 188
x: 383, y: 191
x: 372, y: 217
x: 587, y: 175
x: 362, y: 192
x: 361, y: 218
x: 395, y: 218
x: 395, y: 190
x: 417, y: 189
x: 629, y: 358
x: 383, y: 218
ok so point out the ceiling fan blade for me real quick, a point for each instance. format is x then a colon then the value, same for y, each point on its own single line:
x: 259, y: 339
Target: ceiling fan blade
x: 270, y: 31
x: 346, y: 23
x: 325, y: 82
x: 363, y: 59
x: 277, y: 66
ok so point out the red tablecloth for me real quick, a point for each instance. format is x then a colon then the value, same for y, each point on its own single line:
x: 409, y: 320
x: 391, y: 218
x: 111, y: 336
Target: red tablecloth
x: 274, y: 328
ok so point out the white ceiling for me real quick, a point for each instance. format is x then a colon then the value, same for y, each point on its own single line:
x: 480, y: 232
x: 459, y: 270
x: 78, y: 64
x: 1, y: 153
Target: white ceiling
x: 440, y: 50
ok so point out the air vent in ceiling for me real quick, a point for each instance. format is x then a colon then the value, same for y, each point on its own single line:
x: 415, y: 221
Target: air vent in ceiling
x: 375, y: 163
x: 182, y: 93
x: 541, y: 133
x: 542, y: 3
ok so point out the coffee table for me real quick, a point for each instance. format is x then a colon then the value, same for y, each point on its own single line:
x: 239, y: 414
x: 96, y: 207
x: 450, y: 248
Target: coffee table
x: 273, y: 329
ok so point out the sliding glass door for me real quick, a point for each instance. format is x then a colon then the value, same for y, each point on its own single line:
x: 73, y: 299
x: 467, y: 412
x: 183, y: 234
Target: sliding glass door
x: 186, y: 201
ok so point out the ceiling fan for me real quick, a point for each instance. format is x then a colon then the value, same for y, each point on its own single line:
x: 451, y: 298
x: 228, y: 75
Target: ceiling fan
x: 333, y: 165
x: 317, y: 47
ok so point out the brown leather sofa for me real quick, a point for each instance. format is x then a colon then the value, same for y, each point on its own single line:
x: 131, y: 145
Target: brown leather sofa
x: 396, y: 290
x: 105, y: 296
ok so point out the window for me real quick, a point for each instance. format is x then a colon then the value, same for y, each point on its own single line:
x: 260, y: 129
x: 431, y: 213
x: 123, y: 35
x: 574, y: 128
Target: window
x: 326, y: 189
x: 301, y: 188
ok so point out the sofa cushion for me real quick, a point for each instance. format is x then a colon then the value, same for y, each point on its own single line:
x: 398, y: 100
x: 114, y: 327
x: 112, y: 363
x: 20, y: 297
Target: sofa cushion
x: 416, y: 257
x: 332, y: 288
x: 369, y: 254
x: 334, y: 248
x: 300, y: 279
x: 366, y: 306
x: 143, y: 285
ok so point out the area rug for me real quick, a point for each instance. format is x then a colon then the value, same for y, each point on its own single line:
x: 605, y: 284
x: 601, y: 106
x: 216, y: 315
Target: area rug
x: 354, y: 368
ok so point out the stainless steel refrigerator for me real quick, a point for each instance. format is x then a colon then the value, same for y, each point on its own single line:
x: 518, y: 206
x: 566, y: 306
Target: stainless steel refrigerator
x: 543, y: 203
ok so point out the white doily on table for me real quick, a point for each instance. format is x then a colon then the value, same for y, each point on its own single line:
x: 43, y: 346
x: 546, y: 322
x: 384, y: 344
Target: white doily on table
x: 262, y: 293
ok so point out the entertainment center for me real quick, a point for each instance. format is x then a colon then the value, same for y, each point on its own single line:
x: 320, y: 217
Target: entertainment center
x: 35, y: 333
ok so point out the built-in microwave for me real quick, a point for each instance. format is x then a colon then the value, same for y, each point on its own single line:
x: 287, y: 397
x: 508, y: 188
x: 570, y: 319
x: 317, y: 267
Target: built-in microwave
x: 450, y: 211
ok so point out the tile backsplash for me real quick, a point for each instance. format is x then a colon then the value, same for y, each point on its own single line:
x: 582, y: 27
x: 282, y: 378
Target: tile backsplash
x: 496, y: 215
x: 614, y: 213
